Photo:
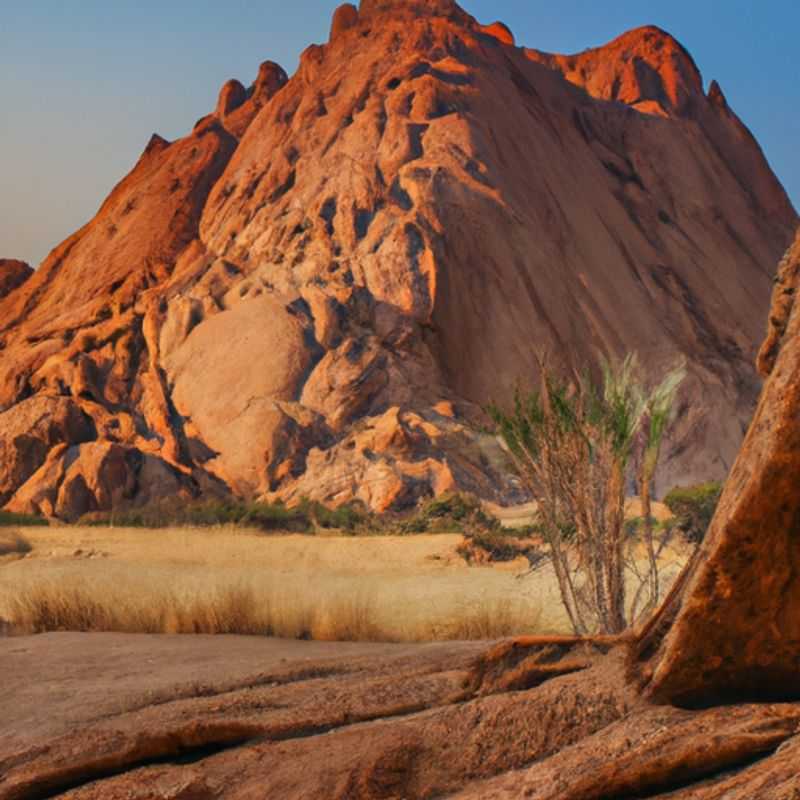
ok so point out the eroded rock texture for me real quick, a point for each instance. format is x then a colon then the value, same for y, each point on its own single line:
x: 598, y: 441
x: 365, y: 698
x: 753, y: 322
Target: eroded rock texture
x: 286, y: 301
x: 420, y: 722
x: 732, y: 626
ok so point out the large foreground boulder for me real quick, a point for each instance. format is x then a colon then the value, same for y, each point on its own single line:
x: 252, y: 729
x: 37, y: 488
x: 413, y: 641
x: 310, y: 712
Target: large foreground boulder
x: 732, y: 627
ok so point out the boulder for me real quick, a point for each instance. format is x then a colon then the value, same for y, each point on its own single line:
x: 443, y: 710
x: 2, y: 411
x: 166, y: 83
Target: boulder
x: 29, y: 430
x: 13, y: 274
x: 231, y: 96
x: 229, y: 377
x: 732, y: 626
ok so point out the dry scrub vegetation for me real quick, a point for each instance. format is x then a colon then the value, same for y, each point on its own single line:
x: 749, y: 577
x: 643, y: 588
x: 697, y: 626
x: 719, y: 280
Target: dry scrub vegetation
x: 234, y: 581
x: 475, y: 584
x: 13, y: 543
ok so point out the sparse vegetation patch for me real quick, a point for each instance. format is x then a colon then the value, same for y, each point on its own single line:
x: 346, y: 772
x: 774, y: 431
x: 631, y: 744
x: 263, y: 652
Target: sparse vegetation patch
x: 10, y: 519
x: 694, y: 507
x: 577, y: 443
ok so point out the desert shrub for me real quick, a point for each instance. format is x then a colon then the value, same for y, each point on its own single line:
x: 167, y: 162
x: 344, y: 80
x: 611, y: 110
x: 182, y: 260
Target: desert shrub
x: 496, y: 544
x: 306, y: 517
x: 576, y: 443
x: 350, y: 517
x: 694, y: 507
x: 10, y: 519
x: 267, y: 516
x: 450, y: 513
x: 14, y: 543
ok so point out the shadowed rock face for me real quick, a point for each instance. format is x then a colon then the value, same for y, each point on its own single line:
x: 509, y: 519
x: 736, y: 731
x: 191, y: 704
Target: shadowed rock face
x: 315, y: 291
x: 13, y: 274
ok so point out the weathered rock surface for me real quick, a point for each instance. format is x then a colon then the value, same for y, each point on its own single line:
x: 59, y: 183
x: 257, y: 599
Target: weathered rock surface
x: 732, y: 627
x: 296, y: 720
x: 32, y: 429
x: 398, y: 226
x: 13, y: 274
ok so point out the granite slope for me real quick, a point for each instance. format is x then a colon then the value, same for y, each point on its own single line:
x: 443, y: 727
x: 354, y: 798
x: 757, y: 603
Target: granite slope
x: 316, y: 290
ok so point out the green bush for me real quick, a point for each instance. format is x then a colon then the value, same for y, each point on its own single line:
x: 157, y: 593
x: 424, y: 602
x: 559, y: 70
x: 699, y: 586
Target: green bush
x: 8, y: 519
x: 694, y: 507
x: 267, y: 516
x: 306, y: 517
x: 450, y: 513
x: 348, y: 517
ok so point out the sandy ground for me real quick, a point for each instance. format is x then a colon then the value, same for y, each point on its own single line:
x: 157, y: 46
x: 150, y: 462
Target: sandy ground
x: 57, y: 682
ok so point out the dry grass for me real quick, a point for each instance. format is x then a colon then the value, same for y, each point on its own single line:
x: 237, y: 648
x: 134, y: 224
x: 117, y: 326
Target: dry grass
x: 387, y: 588
x: 224, y: 581
x: 13, y: 543
x: 182, y: 604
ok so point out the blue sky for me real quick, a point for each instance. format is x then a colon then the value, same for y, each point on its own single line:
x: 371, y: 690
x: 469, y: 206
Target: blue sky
x: 83, y: 83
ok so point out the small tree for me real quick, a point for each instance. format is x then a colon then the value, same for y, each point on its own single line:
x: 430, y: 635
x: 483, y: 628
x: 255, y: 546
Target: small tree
x: 574, y: 444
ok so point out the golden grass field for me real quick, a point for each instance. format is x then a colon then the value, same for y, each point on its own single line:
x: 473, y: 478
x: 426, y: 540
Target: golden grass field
x: 232, y: 580
x: 226, y: 580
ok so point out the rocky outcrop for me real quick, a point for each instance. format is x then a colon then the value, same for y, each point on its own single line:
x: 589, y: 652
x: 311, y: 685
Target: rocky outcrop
x: 330, y: 259
x: 270, y: 718
x: 13, y: 274
x: 783, y: 300
x: 645, y: 68
x: 32, y: 429
x: 344, y: 18
x: 79, y: 479
x: 732, y: 627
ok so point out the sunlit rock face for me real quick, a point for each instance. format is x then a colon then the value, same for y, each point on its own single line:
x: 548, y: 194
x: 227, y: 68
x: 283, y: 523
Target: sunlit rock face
x: 316, y: 291
x: 734, y: 628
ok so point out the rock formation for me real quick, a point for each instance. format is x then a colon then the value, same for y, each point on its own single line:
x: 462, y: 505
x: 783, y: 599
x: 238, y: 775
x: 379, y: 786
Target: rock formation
x: 733, y: 624
x: 13, y: 274
x: 315, y: 291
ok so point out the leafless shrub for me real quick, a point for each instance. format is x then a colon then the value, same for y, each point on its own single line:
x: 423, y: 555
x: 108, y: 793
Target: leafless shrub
x: 575, y: 443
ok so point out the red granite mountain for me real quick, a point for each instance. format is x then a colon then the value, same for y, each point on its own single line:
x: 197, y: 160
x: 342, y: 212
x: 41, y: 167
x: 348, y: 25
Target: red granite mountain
x: 314, y: 292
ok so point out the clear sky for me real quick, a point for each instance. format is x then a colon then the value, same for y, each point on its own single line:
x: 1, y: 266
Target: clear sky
x: 84, y: 83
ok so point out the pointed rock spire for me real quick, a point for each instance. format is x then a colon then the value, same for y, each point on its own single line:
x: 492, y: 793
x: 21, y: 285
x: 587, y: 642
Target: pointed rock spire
x: 344, y: 18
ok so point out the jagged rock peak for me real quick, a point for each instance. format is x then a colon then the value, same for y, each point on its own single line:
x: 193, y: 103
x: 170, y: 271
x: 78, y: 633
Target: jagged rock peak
x: 500, y: 31
x: 344, y: 18
x: 156, y: 144
x: 13, y: 274
x: 231, y: 96
x: 444, y: 8
x: 271, y: 77
x: 646, y: 68
x: 716, y: 96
